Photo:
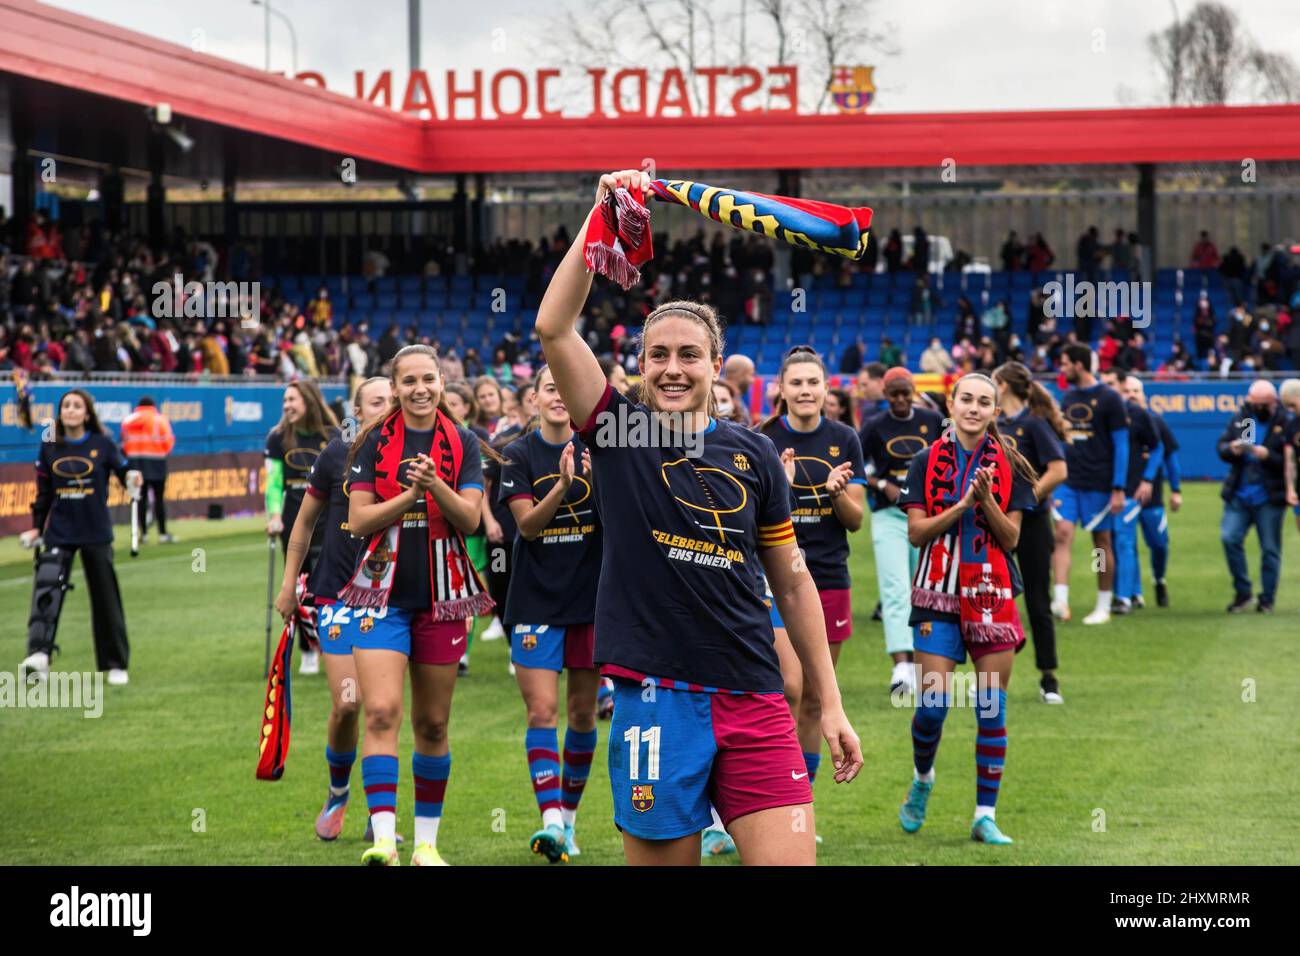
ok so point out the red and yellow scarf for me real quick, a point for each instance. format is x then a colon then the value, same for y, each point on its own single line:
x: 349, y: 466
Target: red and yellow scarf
x: 981, y: 589
x: 457, y: 592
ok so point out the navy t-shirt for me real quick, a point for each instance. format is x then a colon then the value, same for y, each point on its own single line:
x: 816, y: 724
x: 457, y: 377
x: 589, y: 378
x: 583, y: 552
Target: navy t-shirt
x: 1033, y: 437
x: 889, y: 443
x: 1091, y: 415
x: 411, y: 583
x: 553, y: 578
x: 72, y: 490
x: 679, y: 596
x: 328, y: 481
x: 1171, y: 446
x: 824, y: 540
x: 1143, y: 440
x: 297, y: 463
x: 913, y: 496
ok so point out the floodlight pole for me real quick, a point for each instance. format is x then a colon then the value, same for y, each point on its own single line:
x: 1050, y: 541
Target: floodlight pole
x: 413, y: 32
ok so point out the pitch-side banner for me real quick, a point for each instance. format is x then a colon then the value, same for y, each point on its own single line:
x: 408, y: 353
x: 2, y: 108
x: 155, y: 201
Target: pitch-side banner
x: 234, y: 480
x: 205, y: 418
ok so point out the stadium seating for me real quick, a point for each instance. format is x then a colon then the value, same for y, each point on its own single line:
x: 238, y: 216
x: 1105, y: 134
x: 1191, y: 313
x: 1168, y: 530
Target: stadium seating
x: 460, y: 309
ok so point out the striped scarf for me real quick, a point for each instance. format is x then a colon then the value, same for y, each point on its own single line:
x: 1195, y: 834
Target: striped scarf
x: 618, y: 235
x: 977, y: 586
x: 456, y: 590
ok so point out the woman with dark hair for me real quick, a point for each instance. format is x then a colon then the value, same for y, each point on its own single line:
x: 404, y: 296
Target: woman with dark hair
x: 1031, y: 423
x: 823, y: 465
x: 839, y: 407
x: 415, y: 494
x: 305, y: 428
x: 727, y: 402
x: 70, y: 514
x: 460, y: 402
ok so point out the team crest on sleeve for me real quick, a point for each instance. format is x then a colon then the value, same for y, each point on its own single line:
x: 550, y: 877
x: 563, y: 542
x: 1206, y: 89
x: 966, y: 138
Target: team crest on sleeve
x: 741, y: 462
x: 643, y: 797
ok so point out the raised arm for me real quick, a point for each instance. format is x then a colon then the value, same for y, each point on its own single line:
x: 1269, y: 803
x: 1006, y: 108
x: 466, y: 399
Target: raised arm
x: 577, y: 373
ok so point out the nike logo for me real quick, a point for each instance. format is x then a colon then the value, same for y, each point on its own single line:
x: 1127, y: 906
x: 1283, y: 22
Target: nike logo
x: 457, y: 640
x: 840, y: 623
x: 507, y: 484
x: 357, y: 469
x: 902, y: 489
x: 798, y: 776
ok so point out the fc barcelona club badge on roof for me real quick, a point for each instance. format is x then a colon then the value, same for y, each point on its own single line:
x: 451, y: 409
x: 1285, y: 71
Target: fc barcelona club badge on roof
x: 643, y: 797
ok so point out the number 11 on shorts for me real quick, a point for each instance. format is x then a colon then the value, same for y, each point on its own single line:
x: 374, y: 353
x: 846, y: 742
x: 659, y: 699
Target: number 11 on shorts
x: 634, y: 735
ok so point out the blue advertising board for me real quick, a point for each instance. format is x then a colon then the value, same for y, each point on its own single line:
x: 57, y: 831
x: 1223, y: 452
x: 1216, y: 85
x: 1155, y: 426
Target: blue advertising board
x: 205, y: 418
x: 218, y: 418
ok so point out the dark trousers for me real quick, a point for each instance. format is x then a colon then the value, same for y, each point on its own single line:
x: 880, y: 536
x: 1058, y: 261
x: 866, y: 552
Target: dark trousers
x: 154, y: 490
x: 107, y: 619
x: 500, y: 557
x: 1034, y: 557
x: 306, y: 629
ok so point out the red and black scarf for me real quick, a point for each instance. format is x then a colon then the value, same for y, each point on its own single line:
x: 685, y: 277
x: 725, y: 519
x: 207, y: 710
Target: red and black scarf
x: 979, y: 587
x: 457, y: 592
x: 277, y: 711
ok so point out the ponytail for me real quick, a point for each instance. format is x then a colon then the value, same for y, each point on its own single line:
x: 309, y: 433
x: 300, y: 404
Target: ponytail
x: 1019, y: 464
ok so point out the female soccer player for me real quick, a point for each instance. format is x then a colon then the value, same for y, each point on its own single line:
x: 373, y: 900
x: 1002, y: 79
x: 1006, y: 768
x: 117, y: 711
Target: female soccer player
x: 546, y: 482
x: 889, y: 440
x: 699, y: 711
x: 839, y: 407
x: 1031, y: 423
x: 71, y: 514
x: 461, y: 404
x: 823, y: 464
x: 327, y: 493
x: 487, y: 392
x: 292, y: 447
x: 416, y: 487
x: 964, y: 498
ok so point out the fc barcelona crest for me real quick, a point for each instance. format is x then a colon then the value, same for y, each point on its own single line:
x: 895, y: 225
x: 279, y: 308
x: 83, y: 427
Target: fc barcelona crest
x: 833, y: 451
x: 334, y: 632
x: 741, y: 462
x: 852, y: 88
x: 530, y: 641
x: 367, y: 624
x: 643, y: 797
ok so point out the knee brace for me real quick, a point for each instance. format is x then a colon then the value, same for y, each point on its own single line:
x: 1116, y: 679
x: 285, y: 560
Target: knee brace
x: 52, y: 567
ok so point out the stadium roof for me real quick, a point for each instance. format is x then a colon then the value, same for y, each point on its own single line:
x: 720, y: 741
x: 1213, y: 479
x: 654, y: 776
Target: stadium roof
x: 82, y: 82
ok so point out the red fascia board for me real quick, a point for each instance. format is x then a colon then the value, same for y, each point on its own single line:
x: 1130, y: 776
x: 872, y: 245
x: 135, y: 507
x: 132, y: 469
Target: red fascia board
x: 86, y: 54
x: 82, y: 53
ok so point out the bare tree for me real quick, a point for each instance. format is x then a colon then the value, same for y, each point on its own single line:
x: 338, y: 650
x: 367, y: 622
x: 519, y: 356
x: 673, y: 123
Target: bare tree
x: 1210, y: 59
x: 840, y: 30
x: 689, y: 35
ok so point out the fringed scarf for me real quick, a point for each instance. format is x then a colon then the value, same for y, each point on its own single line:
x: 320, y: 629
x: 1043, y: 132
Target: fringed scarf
x: 980, y: 590
x: 277, y: 711
x: 456, y: 590
x: 618, y: 236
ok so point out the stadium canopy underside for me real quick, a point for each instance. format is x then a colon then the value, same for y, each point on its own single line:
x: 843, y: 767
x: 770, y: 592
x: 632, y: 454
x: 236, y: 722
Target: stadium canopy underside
x: 81, y: 91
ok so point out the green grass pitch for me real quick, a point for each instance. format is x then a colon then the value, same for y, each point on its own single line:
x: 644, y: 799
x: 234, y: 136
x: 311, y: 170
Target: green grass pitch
x: 1176, y: 745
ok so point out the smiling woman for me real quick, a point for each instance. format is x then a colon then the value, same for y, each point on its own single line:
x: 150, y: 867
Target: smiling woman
x: 679, y: 606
